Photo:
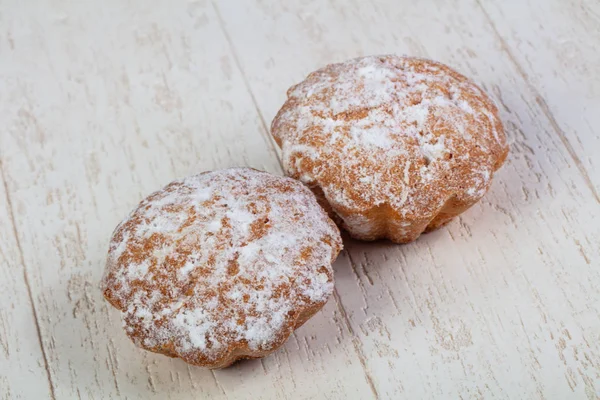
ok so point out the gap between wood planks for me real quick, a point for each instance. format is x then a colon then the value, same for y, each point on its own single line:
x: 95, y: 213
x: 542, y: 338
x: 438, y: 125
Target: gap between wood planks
x: 542, y: 105
x: 26, y: 279
x: 273, y: 147
x: 354, y: 339
x: 238, y: 64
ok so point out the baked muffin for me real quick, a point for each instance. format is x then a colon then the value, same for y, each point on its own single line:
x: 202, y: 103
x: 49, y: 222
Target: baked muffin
x: 221, y: 266
x: 392, y: 146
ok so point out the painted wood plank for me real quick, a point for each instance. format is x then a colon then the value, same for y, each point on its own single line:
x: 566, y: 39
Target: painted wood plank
x: 556, y: 46
x: 21, y: 358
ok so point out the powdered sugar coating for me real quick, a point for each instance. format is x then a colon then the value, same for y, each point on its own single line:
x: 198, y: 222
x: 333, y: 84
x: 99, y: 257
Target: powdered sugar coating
x: 220, y: 263
x: 405, y: 135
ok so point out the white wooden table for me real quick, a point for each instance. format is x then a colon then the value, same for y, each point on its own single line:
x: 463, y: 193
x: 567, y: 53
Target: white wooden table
x: 101, y: 103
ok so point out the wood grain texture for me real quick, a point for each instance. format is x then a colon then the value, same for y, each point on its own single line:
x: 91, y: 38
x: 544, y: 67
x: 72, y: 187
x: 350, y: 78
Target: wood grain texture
x: 555, y: 50
x: 103, y: 103
x: 22, y: 359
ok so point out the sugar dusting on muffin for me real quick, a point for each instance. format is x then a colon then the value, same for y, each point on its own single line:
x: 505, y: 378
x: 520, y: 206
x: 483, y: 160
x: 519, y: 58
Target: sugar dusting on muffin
x: 220, y: 260
x: 388, y: 131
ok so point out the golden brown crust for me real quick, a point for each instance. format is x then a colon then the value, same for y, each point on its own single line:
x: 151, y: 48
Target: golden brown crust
x: 221, y: 266
x: 392, y: 146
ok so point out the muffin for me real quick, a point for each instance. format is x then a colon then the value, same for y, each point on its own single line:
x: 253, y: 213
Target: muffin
x: 392, y: 146
x: 221, y: 266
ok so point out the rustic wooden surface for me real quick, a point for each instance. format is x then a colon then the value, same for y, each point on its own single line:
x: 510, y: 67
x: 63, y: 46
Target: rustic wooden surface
x: 102, y: 103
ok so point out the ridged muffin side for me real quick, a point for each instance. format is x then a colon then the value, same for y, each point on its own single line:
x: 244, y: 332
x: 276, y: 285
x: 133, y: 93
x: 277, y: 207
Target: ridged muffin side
x: 392, y: 146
